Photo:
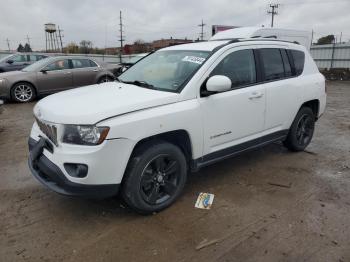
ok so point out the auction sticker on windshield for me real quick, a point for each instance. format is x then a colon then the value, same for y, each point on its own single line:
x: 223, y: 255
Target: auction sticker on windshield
x: 193, y: 59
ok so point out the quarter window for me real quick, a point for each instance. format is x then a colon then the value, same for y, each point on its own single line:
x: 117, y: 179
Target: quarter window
x: 299, y: 60
x: 239, y: 66
x: 92, y: 63
x: 272, y: 63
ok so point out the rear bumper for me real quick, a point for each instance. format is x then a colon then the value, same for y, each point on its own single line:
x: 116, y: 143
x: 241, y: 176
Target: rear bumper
x: 52, y: 177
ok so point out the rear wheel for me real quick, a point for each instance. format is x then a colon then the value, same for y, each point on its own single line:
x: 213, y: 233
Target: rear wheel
x: 301, y: 131
x: 23, y: 92
x: 155, y: 177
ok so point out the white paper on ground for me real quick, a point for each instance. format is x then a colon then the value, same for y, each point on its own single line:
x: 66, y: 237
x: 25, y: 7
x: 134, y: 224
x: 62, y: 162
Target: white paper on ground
x: 204, y: 201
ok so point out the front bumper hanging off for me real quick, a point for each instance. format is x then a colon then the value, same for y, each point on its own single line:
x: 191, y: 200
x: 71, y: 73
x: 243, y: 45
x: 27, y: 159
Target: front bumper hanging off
x: 52, y: 177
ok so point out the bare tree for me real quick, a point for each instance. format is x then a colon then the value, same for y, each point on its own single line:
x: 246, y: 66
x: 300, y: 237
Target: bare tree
x: 85, y: 46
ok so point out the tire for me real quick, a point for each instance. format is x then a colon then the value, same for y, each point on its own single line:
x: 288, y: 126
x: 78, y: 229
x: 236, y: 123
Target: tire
x: 301, y: 131
x: 105, y: 79
x: 147, y: 186
x: 23, y: 92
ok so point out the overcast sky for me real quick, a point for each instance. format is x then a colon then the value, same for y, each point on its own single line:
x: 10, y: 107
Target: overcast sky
x: 97, y: 20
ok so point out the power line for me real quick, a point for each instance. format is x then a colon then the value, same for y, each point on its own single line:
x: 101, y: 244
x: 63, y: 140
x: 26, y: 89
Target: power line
x: 273, y: 12
x: 201, y: 34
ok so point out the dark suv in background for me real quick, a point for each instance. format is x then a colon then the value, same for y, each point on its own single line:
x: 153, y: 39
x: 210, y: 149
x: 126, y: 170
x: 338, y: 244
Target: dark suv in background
x: 19, y: 61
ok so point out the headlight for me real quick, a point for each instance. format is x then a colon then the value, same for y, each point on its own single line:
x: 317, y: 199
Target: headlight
x: 84, y: 135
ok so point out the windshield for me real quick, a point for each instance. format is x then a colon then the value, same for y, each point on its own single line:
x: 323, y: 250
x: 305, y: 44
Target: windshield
x: 165, y: 70
x: 37, y: 65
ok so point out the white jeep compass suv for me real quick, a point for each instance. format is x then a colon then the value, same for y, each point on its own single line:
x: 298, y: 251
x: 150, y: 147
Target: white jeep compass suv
x: 175, y: 111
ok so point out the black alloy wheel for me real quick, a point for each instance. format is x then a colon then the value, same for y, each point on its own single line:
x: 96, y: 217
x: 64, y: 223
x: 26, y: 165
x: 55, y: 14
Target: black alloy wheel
x: 305, y: 130
x: 160, y: 179
x: 301, y: 131
x: 155, y: 176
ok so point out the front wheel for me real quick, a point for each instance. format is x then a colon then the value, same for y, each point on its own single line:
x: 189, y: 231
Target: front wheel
x: 301, y: 131
x: 155, y: 177
x: 23, y: 92
x: 105, y: 79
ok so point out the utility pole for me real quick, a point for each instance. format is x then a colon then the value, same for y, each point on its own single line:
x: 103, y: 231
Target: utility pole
x: 121, y: 40
x: 312, y: 37
x: 273, y: 12
x: 28, y: 40
x: 8, y: 44
x: 201, y: 34
x: 60, y: 36
x: 341, y: 35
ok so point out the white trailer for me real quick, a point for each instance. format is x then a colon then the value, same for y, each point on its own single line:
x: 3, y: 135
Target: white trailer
x: 300, y: 36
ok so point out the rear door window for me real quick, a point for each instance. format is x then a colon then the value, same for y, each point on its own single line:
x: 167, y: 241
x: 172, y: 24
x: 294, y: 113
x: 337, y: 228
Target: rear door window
x: 272, y: 63
x: 81, y: 63
x: 32, y: 58
x: 299, y: 60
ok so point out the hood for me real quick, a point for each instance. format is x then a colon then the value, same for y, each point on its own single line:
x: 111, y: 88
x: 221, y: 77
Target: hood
x: 91, y: 104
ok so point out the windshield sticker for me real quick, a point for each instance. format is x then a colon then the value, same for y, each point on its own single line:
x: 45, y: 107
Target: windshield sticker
x: 193, y: 59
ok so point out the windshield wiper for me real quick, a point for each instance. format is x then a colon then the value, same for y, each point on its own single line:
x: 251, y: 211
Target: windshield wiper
x: 139, y: 83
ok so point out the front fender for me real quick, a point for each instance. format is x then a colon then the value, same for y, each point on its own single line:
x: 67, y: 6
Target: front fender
x: 150, y: 122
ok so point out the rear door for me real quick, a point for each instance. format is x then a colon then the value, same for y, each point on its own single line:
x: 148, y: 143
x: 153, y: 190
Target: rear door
x: 56, y: 76
x: 84, y: 72
x: 282, y: 93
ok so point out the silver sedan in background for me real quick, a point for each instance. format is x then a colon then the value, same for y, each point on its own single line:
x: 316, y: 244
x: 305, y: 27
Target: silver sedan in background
x: 52, y: 75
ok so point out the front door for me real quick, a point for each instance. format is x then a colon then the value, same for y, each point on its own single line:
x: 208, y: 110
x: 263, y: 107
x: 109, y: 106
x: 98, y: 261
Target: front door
x: 236, y: 116
x: 17, y: 62
x: 56, y: 76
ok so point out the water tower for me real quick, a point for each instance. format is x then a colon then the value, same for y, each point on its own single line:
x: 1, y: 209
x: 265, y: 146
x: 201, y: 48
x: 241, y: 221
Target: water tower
x: 52, y: 43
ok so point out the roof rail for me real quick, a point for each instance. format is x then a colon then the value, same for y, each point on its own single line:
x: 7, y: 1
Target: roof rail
x: 267, y: 38
x: 237, y: 40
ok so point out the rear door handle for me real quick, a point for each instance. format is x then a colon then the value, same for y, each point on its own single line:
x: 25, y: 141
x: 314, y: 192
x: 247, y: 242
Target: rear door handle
x: 95, y: 70
x: 256, y: 95
x: 67, y: 73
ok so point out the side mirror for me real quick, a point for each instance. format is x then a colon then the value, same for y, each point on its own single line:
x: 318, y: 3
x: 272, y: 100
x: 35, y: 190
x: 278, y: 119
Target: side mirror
x: 9, y: 61
x: 219, y: 83
x: 43, y: 71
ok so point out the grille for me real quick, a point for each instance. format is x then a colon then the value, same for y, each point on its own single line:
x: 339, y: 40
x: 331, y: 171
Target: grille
x: 49, y: 130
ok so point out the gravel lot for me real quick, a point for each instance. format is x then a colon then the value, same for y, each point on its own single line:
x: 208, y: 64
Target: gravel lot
x: 250, y: 219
